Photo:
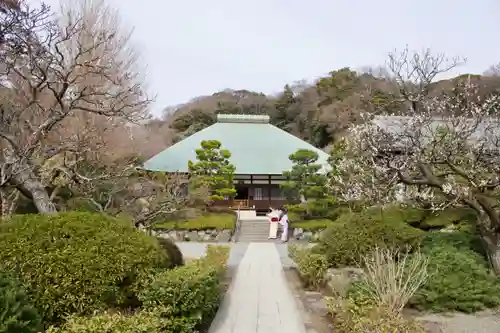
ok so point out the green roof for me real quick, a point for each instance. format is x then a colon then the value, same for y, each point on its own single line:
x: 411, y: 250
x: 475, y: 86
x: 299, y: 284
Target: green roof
x: 256, y: 147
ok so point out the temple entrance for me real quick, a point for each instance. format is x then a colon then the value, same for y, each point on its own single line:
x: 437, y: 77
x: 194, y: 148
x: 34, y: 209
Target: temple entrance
x: 241, y: 198
x: 241, y: 193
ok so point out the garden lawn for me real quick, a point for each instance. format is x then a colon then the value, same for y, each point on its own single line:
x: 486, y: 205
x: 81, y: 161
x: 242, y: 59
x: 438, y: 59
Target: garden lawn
x: 209, y: 221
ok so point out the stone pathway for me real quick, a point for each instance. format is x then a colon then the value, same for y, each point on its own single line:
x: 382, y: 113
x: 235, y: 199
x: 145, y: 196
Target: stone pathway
x: 259, y: 300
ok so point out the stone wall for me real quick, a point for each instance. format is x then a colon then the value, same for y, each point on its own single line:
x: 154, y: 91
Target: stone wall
x: 306, y: 235
x: 209, y: 235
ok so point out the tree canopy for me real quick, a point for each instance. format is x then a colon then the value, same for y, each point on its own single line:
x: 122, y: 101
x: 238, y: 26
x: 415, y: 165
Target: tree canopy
x: 213, y: 170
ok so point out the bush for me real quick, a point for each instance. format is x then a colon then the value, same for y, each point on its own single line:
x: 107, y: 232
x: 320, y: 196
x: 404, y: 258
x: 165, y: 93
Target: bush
x: 218, y: 256
x: 16, y: 312
x: 77, y: 262
x: 392, y: 278
x: 460, y: 278
x: 311, y: 224
x: 323, y: 209
x: 446, y: 218
x: 191, y: 291
x: 462, y: 241
x: 351, y: 317
x: 208, y: 221
x: 353, y: 236
x: 312, y: 267
x: 173, y: 252
x: 142, y: 322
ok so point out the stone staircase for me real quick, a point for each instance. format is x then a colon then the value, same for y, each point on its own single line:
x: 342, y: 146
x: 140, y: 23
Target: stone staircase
x: 254, y: 229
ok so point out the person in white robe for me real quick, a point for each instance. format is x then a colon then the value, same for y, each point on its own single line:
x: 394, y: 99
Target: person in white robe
x: 284, y: 223
x: 274, y: 216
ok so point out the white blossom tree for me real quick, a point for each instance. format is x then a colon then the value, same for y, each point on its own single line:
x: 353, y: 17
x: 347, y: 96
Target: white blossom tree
x: 444, y: 152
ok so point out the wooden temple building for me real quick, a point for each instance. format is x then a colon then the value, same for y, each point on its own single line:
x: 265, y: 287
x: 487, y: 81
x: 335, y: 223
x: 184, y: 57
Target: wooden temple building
x: 259, y: 151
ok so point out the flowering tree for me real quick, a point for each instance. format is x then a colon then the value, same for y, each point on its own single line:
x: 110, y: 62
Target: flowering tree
x: 444, y: 152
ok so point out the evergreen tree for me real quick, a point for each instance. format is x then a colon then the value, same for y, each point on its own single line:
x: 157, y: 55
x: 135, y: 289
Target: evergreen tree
x: 213, y: 169
x: 304, y: 182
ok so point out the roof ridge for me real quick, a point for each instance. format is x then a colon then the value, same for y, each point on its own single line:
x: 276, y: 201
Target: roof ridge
x: 243, y: 118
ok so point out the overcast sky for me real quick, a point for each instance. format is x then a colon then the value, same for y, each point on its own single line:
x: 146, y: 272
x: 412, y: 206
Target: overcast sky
x: 198, y: 47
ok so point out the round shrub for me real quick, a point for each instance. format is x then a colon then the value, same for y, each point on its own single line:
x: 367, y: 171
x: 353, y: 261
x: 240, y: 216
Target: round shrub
x: 460, y: 278
x: 16, y: 312
x: 355, y: 235
x: 173, y: 252
x: 77, y: 262
x: 142, y: 322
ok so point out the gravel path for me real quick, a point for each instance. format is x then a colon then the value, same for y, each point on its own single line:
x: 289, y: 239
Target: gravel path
x: 194, y: 250
x: 486, y: 322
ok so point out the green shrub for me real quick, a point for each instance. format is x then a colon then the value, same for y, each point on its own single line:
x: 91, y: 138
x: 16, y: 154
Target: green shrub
x: 397, y: 214
x: 77, y: 262
x: 16, y: 312
x: 173, y: 252
x: 348, y: 316
x: 446, y: 218
x: 355, y: 235
x: 191, y: 292
x: 312, y: 267
x: 316, y: 210
x: 208, y: 221
x: 218, y: 256
x: 293, y: 217
x: 142, y: 322
x: 459, y: 240
x: 460, y: 278
x: 311, y: 224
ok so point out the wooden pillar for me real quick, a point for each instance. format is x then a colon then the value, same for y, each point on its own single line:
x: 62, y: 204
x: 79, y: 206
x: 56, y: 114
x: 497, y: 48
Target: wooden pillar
x: 250, y: 186
x: 269, y: 190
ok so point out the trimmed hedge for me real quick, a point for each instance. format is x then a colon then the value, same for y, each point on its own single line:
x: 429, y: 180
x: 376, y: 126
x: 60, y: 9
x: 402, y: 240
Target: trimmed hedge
x: 180, y: 300
x: 173, y: 252
x: 142, y: 322
x: 311, y: 224
x: 355, y: 235
x: 208, y: 221
x: 16, y: 312
x: 191, y: 292
x: 460, y: 217
x: 460, y: 277
x: 77, y: 262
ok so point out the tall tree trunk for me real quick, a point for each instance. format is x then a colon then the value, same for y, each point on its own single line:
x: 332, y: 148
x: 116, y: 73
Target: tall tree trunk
x: 491, y: 241
x: 494, y: 255
x: 493, y: 251
x: 8, y: 201
x: 30, y: 186
x: 4, y: 204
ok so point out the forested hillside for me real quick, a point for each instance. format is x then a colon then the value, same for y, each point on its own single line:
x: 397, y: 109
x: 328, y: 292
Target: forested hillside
x: 320, y: 112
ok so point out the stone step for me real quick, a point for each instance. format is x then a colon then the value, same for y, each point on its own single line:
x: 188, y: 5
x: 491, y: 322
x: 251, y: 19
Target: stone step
x: 259, y: 235
x: 253, y: 226
x: 255, y: 231
x: 264, y: 231
x: 247, y: 239
x: 248, y: 214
